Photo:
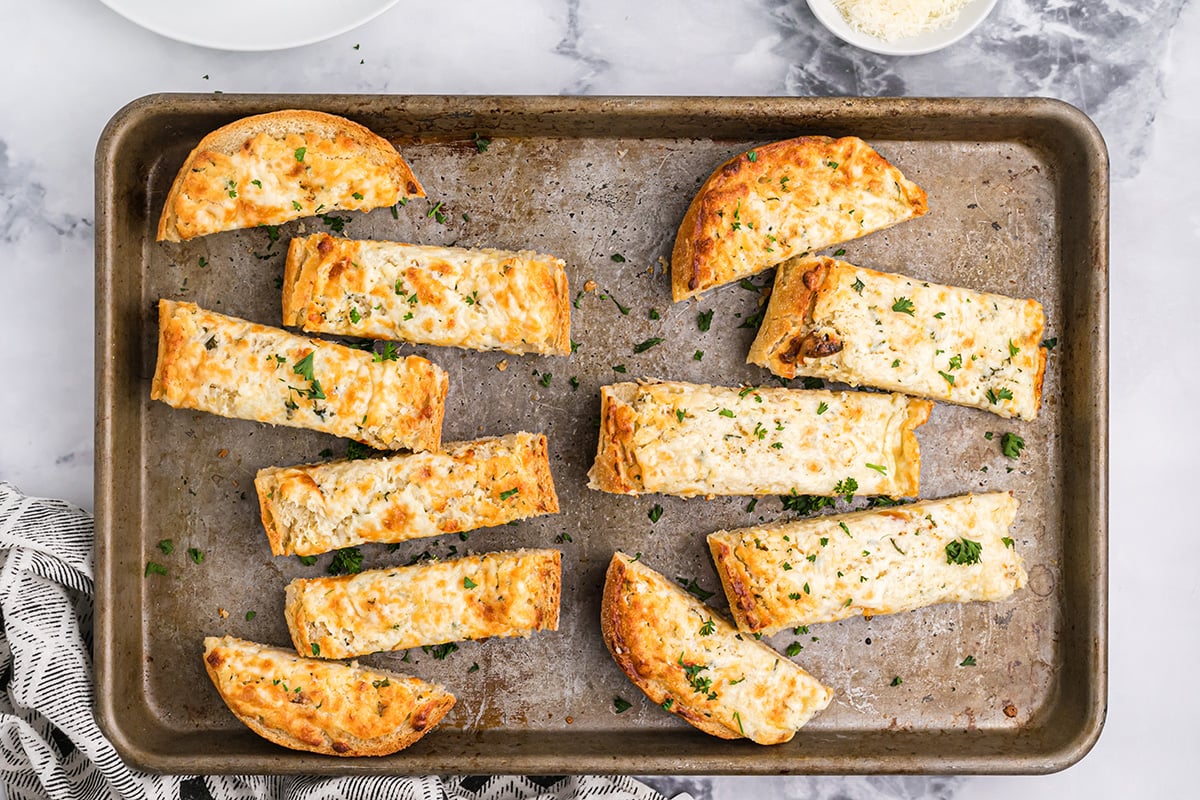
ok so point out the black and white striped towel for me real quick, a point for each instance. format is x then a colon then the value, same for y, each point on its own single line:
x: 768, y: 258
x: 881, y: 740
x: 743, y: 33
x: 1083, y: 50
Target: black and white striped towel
x: 50, y: 745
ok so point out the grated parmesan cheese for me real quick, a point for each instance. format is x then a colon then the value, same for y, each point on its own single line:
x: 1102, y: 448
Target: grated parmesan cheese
x: 898, y: 19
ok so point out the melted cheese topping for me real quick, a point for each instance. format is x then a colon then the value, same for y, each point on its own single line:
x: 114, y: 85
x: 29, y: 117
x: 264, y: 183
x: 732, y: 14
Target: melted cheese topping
x: 228, y: 366
x: 686, y: 439
x: 793, y: 198
x: 314, y: 509
x: 923, y: 339
x: 497, y: 594
x: 271, y: 179
x: 869, y: 562
x: 690, y: 660
x: 448, y: 296
x: 319, y: 705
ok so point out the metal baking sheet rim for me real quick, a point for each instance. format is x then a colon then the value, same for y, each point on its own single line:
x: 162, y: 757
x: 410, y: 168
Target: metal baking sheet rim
x: 1053, y: 744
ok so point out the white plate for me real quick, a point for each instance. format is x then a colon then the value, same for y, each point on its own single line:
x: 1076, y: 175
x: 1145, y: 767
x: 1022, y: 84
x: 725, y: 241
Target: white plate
x: 968, y: 19
x: 249, y: 24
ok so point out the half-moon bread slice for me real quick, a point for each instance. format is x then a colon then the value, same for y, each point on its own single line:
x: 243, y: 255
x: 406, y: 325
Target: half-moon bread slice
x: 830, y: 319
x: 691, y: 662
x: 322, y: 706
x: 272, y: 168
x: 689, y: 439
x: 496, y: 594
x: 228, y: 366
x: 884, y: 561
x: 316, y: 508
x: 786, y: 199
x: 448, y: 296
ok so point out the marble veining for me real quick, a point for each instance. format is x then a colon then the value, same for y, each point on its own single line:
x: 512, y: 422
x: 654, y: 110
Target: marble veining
x: 1131, y: 65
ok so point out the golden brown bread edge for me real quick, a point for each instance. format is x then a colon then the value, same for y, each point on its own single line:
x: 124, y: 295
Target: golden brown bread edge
x: 689, y: 252
x: 422, y: 718
x: 229, y: 138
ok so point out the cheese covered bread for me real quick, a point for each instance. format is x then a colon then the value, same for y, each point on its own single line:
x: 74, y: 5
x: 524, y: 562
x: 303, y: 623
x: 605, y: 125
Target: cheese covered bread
x: 830, y: 319
x: 869, y: 562
x: 693, y: 663
x: 322, y: 706
x: 448, y: 296
x: 320, y: 507
x: 687, y: 439
x: 228, y: 366
x: 497, y: 594
x: 782, y: 200
x: 272, y: 168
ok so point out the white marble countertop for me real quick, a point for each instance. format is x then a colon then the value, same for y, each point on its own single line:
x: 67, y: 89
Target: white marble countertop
x: 1132, y: 66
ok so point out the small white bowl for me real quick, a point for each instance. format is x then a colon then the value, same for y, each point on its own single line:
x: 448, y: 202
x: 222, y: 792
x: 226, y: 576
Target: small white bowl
x: 968, y: 19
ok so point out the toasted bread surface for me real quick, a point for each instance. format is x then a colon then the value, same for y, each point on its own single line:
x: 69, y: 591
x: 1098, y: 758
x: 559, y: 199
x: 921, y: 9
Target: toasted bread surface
x: 830, y: 319
x: 322, y: 706
x: 321, y: 507
x: 786, y: 199
x: 690, y: 661
x: 271, y: 168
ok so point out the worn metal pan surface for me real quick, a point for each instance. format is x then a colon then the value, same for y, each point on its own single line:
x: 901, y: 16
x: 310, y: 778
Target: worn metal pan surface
x: 1019, y: 196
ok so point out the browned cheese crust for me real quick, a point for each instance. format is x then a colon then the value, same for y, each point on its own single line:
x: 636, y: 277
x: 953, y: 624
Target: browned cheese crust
x: 316, y: 508
x: 692, y: 662
x: 482, y: 299
x: 322, y: 706
x: 782, y: 200
x: 495, y: 594
x: 833, y: 320
x: 272, y: 168
x: 228, y: 366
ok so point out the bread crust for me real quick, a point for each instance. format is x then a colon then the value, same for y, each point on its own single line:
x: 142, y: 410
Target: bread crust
x: 238, y: 154
x: 235, y: 368
x: 867, y: 563
x: 687, y: 659
x: 312, y: 509
x: 831, y: 319
x: 693, y: 439
x: 511, y: 593
x: 481, y: 299
x: 782, y: 200
x: 322, y: 706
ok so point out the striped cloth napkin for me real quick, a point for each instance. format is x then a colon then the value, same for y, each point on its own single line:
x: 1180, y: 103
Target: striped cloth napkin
x: 50, y: 745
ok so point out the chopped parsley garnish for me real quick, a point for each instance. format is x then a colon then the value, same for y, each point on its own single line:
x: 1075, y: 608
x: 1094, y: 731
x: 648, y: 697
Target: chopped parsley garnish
x: 510, y: 492
x: 1012, y: 349
x: 346, y: 561
x: 356, y: 195
x: 806, y: 589
x: 680, y: 413
x: 203, y: 261
x: 481, y: 143
x: 949, y: 378
x: 296, y: 205
x: 841, y: 251
x: 904, y: 306
x: 748, y: 285
x: 167, y: 546
x: 691, y: 587
x: 154, y: 568
x: 654, y: 314
x: 316, y: 649
x: 621, y: 705
x: 1008, y: 542
x: 355, y: 317
x: 1049, y: 344
x: 963, y: 551
x: 473, y: 668
x: 300, y: 151
x: 381, y: 683
x: 708, y: 628
x: 846, y: 488
x: 877, y: 468
x: 646, y: 345
x: 666, y: 704
x: 390, y: 353
x: 251, y: 615
x: 794, y: 649
x: 196, y: 555
x: 995, y: 396
x: 440, y: 651
x: 969, y: 661
x: 304, y: 367
x: 698, y: 355
x: 357, y: 450
x: 804, y: 503
x: 704, y: 320
x: 809, y: 382
x: 896, y: 681
x: 617, y: 257
x: 822, y: 407
x: 752, y: 156
x: 655, y: 513
x: 939, y: 315
x: 895, y: 363
x: 307, y: 561
x: 574, y: 382
x: 858, y: 285
x: 468, y: 583
x: 956, y: 361
x: 1011, y: 445
x: 725, y: 412
x: 231, y: 186
x: 546, y: 378
x: 988, y: 435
